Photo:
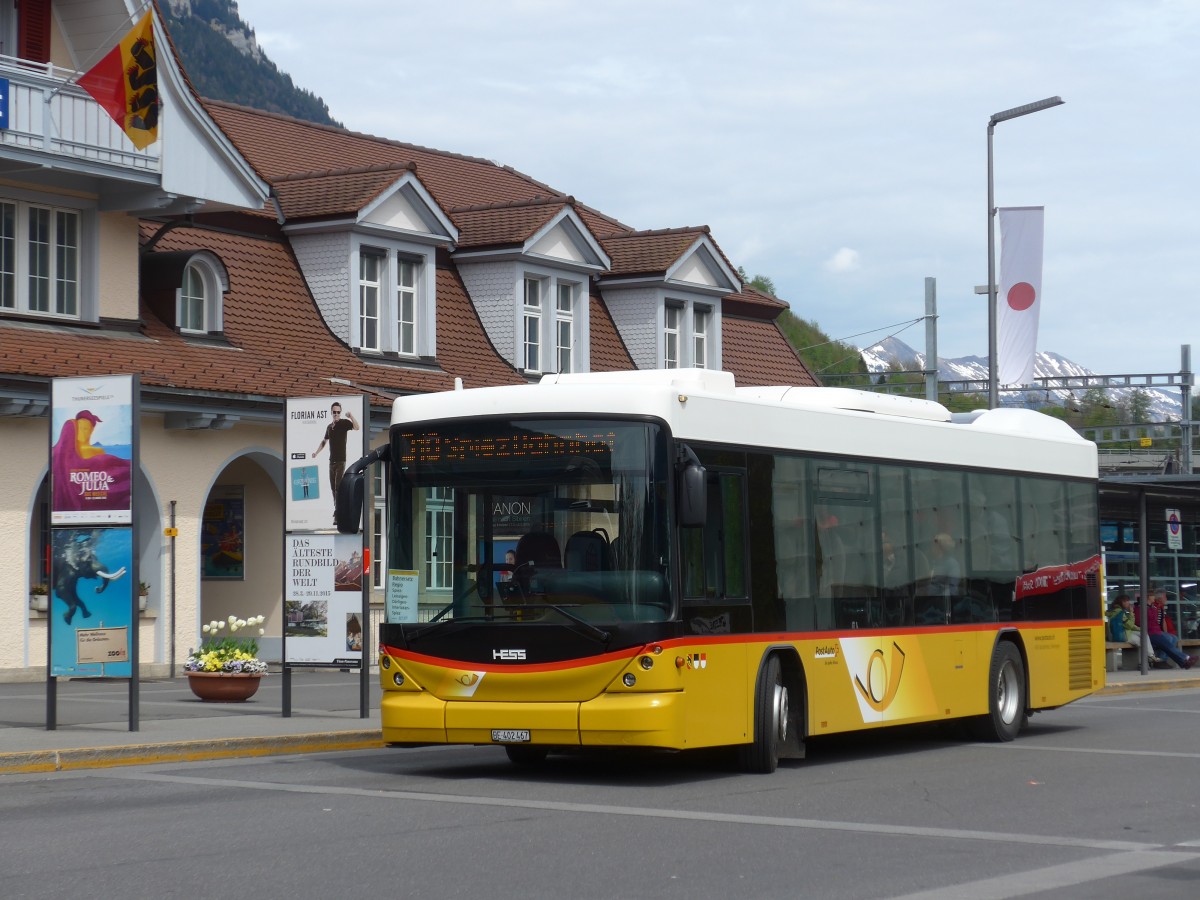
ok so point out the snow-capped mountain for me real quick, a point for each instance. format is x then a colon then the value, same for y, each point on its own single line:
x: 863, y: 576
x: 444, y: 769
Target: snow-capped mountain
x: 1164, y: 405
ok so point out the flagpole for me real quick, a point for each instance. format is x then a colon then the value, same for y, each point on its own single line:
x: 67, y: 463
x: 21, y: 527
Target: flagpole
x: 1003, y: 116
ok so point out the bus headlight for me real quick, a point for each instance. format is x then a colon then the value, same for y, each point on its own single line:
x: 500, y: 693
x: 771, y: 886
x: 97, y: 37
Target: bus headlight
x: 398, y: 679
x: 629, y: 679
x: 647, y: 662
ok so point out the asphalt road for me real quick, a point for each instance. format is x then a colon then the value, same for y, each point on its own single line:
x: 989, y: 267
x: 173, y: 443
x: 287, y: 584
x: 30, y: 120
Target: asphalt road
x: 1097, y: 800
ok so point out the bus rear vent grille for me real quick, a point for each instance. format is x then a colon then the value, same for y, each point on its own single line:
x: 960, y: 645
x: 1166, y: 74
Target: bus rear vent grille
x: 1079, y: 659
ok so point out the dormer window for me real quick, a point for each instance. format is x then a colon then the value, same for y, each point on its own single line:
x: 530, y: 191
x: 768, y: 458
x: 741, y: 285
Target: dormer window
x: 549, y: 324
x: 390, y: 302
x: 687, y: 329
x: 199, y: 295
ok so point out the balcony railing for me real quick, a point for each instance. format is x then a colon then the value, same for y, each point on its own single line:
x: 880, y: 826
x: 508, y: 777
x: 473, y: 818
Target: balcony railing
x: 50, y: 115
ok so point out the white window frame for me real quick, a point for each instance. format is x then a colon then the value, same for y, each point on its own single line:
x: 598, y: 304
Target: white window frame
x: 672, y: 328
x: 408, y: 310
x: 212, y: 280
x: 370, y: 296
x: 550, y: 321
x: 67, y: 251
x: 412, y: 335
x: 564, y: 326
x: 532, y: 291
x: 702, y: 319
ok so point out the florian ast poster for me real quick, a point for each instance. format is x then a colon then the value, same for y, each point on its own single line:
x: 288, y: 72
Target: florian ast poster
x: 324, y: 435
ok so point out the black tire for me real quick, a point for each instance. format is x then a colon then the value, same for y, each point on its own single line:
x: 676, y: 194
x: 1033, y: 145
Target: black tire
x: 526, y: 754
x: 770, y: 721
x: 1006, y: 697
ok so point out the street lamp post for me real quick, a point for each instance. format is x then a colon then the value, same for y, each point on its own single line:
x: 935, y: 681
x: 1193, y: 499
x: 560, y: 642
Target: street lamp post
x: 1005, y: 115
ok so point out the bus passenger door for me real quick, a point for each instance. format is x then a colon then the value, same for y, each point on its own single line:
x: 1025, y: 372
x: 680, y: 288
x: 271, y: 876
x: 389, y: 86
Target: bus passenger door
x: 716, y: 601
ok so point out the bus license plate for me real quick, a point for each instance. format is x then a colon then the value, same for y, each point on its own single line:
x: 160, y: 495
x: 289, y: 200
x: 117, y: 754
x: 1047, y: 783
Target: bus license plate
x: 510, y: 736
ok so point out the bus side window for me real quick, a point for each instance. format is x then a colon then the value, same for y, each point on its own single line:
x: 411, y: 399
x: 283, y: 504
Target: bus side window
x: 714, y: 557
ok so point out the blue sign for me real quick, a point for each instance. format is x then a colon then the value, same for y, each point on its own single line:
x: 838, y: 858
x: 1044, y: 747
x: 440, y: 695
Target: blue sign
x: 3, y: 103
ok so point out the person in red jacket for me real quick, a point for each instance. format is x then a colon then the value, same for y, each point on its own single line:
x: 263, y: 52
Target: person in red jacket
x: 1157, y: 628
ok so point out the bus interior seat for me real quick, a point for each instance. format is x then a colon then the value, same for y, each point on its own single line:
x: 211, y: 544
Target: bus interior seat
x: 540, y: 549
x: 587, y: 551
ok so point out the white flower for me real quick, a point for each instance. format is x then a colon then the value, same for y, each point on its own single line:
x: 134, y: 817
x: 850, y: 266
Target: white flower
x: 262, y: 631
x: 233, y: 628
x: 261, y: 619
x: 232, y: 619
x: 240, y: 623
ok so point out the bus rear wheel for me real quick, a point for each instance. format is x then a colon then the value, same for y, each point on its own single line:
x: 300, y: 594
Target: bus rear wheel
x: 526, y: 754
x: 770, y: 721
x: 1006, y: 696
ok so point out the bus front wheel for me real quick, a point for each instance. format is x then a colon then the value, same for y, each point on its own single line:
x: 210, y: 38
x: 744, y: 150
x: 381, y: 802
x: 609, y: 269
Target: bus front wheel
x: 770, y: 721
x: 1006, y: 696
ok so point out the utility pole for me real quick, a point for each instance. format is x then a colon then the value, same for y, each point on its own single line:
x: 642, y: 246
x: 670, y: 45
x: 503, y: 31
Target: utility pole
x: 931, y: 368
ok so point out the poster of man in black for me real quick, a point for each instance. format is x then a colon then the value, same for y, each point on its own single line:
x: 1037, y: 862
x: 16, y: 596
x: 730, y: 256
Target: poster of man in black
x: 324, y: 434
x: 335, y: 437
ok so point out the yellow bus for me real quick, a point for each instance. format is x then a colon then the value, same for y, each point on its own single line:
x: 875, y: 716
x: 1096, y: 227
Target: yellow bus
x: 662, y: 559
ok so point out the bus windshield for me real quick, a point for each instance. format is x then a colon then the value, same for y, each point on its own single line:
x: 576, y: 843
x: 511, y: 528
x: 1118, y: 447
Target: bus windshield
x: 534, y: 519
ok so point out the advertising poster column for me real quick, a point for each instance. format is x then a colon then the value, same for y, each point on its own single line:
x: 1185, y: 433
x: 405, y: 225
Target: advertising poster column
x: 93, y: 568
x: 326, y: 620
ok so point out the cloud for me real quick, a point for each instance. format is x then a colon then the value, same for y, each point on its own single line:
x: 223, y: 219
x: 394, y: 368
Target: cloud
x: 845, y: 260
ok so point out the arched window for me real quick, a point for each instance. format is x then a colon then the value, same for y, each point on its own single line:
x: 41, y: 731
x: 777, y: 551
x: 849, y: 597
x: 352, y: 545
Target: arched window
x: 199, y: 295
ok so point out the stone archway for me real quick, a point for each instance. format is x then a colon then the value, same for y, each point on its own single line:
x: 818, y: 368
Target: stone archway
x: 241, y: 548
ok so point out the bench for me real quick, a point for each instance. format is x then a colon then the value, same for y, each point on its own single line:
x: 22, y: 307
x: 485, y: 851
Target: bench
x: 1120, y: 655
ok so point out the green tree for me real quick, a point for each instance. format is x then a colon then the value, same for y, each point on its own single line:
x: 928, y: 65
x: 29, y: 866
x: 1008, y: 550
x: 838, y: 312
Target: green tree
x: 759, y: 282
x: 821, y: 354
x: 1135, y: 407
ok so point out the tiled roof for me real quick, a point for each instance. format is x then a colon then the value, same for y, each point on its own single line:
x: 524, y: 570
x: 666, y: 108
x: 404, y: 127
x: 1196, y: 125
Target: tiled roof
x: 505, y: 224
x: 278, y: 146
x: 463, y: 348
x: 750, y: 301
x: 648, y: 252
x: 757, y: 353
x: 341, y: 192
x: 608, y: 351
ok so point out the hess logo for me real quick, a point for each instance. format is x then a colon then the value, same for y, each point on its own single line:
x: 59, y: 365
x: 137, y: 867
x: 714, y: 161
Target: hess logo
x: 508, y: 654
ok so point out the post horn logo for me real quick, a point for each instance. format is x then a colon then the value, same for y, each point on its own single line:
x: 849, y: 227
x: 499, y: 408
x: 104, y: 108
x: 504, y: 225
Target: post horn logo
x: 882, y: 685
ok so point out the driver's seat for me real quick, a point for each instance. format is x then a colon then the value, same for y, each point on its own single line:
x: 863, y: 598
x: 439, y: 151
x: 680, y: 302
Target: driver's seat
x: 540, y: 549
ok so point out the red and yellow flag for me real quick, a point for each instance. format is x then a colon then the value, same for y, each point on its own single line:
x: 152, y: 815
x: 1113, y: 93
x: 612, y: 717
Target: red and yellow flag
x: 125, y: 83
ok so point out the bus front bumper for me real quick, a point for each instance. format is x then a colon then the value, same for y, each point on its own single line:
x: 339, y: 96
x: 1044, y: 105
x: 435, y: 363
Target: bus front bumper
x: 610, y: 720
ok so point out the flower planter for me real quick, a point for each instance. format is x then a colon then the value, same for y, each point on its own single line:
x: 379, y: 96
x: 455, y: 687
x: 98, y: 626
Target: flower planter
x: 39, y: 602
x: 223, y: 687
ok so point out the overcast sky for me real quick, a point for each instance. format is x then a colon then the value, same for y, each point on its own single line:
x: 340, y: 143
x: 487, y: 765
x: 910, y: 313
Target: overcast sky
x: 836, y: 146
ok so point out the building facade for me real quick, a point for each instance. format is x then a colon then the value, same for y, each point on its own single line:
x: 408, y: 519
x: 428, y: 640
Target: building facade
x: 245, y: 258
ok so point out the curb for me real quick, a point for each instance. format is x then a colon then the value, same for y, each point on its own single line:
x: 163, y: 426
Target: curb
x: 1136, y: 687
x: 185, y: 751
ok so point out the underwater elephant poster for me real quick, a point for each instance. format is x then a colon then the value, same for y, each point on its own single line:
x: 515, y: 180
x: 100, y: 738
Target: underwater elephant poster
x: 91, y: 602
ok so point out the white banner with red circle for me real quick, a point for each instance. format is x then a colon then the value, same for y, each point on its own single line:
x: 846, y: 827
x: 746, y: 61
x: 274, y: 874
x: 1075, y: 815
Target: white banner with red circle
x: 1020, y: 299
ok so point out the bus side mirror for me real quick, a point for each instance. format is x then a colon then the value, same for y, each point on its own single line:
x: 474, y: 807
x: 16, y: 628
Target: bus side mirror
x: 693, y: 495
x: 348, y: 504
